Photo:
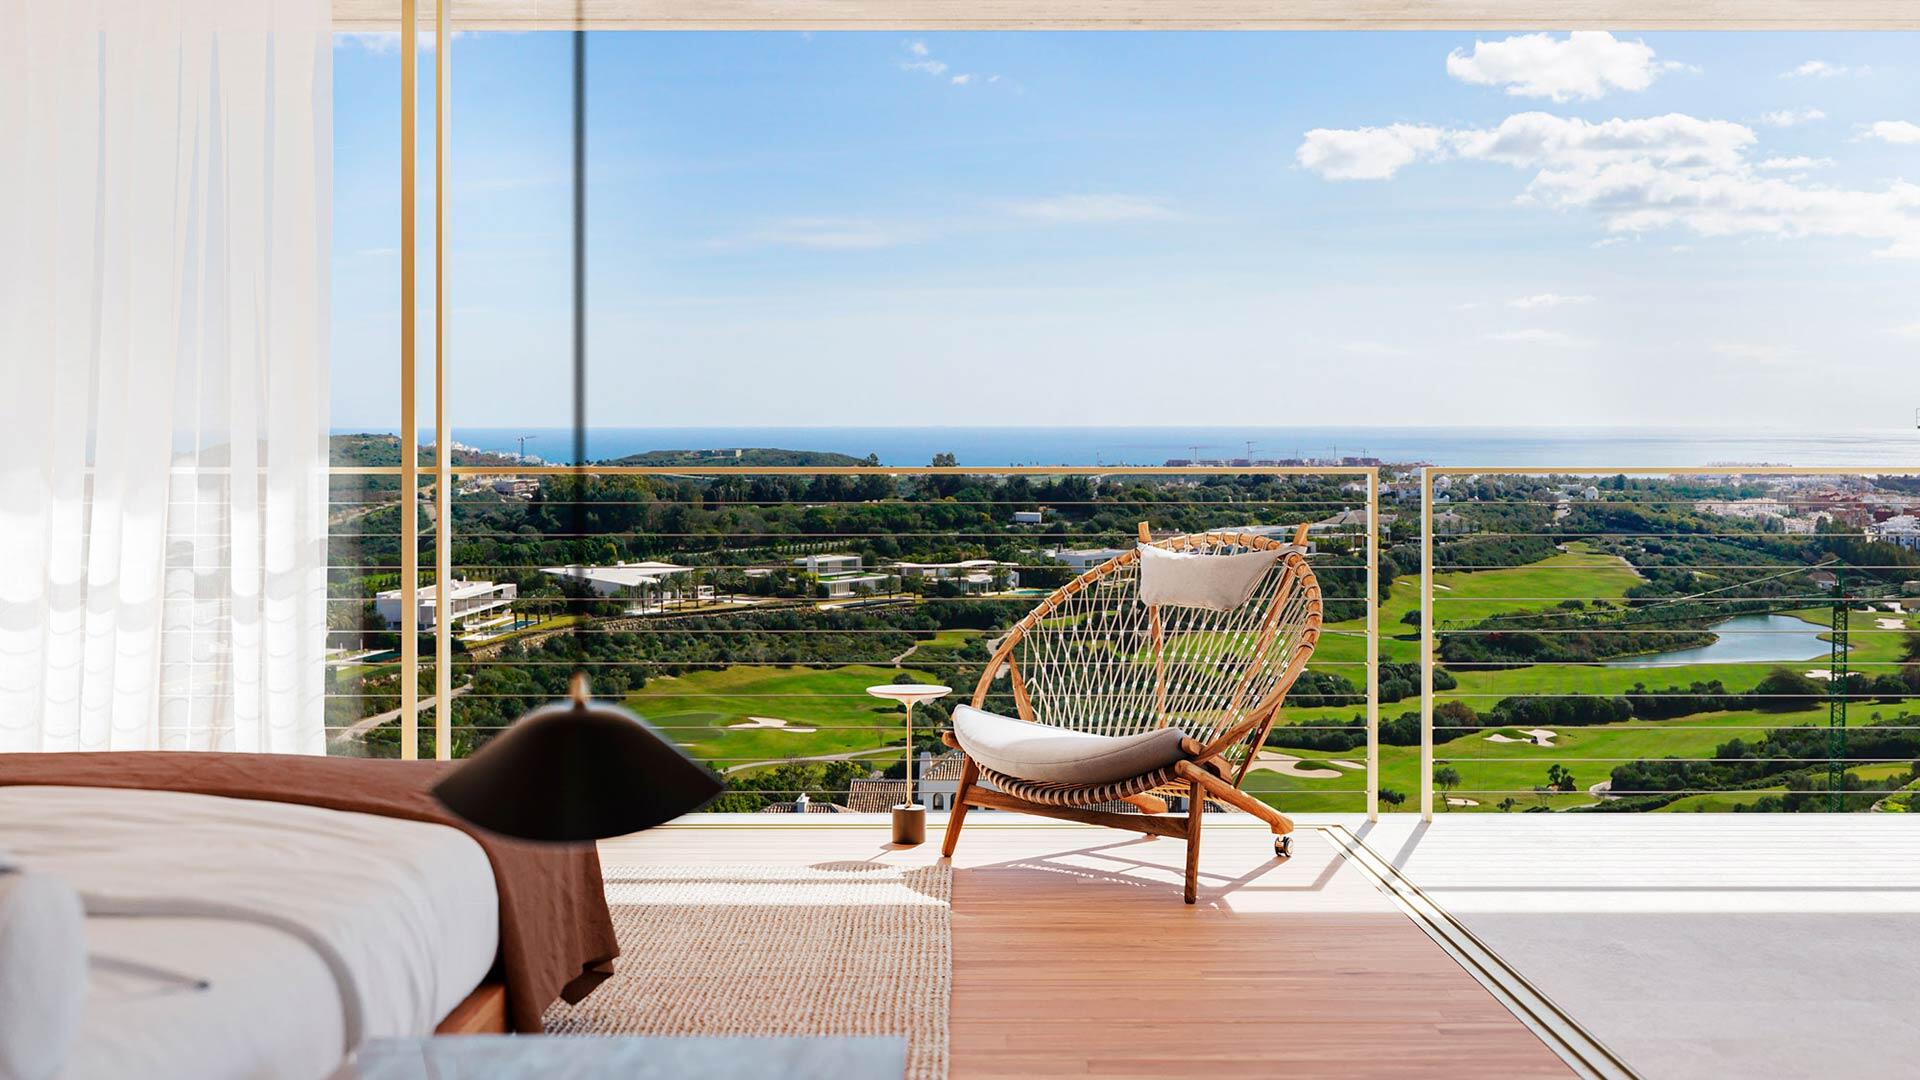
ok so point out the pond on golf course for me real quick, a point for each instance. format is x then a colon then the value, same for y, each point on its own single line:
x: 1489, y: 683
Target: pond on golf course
x: 1747, y: 639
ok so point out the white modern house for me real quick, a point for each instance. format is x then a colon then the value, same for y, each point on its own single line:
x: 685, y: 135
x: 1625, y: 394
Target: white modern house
x: 1030, y: 517
x: 974, y: 575
x: 847, y: 586
x: 468, y: 600
x: 1081, y: 560
x: 833, y: 563
x: 1903, y: 530
x: 644, y: 580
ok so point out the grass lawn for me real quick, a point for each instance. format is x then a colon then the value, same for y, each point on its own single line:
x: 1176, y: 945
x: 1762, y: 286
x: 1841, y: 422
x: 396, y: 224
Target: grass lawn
x: 949, y: 640
x: 1491, y: 771
x: 1468, y: 597
x: 1718, y: 802
x: 698, y: 709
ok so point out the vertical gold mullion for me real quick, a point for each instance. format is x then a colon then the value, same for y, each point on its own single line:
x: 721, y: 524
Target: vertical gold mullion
x: 1373, y: 644
x: 442, y: 433
x: 1426, y: 644
x: 409, y: 502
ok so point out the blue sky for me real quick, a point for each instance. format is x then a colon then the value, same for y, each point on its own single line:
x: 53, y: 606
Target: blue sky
x: 877, y: 228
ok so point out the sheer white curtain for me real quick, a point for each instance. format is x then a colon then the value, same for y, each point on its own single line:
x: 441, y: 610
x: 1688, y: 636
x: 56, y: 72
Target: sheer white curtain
x: 165, y: 170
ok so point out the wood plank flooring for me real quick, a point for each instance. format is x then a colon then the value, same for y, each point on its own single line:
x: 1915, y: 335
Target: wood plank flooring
x: 1073, y: 956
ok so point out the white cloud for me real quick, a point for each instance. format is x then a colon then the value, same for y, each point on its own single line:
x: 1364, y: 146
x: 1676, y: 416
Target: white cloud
x: 1099, y: 209
x: 1641, y: 175
x: 1784, y: 118
x: 1584, y: 64
x: 1897, y: 132
x: 1911, y: 330
x: 1546, y: 300
x: 1367, y: 153
x: 926, y: 63
x: 1799, y: 163
x: 1536, y: 336
x: 1820, y: 69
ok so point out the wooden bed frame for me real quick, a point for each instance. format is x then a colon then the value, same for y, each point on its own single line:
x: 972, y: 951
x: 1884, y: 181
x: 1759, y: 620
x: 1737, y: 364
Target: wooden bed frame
x: 484, y: 1012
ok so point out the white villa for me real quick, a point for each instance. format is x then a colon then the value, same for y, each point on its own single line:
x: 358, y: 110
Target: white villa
x: 641, y: 579
x: 842, y: 575
x: 1903, y: 530
x: 1080, y: 560
x: 836, y: 563
x: 974, y: 575
x: 468, y: 600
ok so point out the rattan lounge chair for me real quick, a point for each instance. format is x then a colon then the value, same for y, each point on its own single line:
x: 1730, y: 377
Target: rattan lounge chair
x: 1120, y: 700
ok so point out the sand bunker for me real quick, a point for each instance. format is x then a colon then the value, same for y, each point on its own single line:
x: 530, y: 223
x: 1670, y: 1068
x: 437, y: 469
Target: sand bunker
x: 1891, y: 624
x: 771, y: 722
x: 1344, y: 764
x: 1536, y: 736
x: 1288, y: 765
x: 1451, y: 801
x: 1820, y: 673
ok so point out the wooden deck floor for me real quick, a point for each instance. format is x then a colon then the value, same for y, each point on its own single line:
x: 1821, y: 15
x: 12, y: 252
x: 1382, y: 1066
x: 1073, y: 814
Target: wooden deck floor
x: 1073, y: 956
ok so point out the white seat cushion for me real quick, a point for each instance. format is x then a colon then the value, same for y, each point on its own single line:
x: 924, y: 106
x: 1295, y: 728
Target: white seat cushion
x: 1056, y: 755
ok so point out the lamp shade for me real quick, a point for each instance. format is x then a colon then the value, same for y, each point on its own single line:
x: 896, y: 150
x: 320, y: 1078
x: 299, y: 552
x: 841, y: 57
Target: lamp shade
x: 575, y: 771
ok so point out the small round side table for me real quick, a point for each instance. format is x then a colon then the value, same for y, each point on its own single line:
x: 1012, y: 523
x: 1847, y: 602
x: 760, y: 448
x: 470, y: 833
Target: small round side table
x: 909, y: 817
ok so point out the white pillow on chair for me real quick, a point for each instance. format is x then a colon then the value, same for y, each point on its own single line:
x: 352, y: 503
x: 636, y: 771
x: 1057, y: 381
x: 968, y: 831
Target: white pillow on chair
x: 43, y: 973
x: 1212, y: 582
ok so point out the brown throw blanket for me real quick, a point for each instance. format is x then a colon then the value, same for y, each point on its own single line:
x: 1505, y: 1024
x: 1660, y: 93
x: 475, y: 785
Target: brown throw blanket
x: 556, y: 935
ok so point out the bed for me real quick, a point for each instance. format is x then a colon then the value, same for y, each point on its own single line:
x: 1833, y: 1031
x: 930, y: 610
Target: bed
x: 313, y: 927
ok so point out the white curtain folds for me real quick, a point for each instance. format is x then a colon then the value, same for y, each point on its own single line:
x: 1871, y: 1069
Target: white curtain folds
x: 165, y: 172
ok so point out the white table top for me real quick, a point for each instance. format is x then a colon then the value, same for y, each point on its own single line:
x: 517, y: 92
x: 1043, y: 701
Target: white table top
x: 909, y: 691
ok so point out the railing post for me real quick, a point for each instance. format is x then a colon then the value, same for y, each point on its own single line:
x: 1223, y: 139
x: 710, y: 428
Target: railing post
x: 1373, y: 644
x: 442, y: 426
x: 1426, y: 644
x: 409, y: 435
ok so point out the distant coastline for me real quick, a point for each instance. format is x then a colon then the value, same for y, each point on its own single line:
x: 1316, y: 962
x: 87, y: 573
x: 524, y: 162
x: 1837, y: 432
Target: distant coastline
x: 998, y: 446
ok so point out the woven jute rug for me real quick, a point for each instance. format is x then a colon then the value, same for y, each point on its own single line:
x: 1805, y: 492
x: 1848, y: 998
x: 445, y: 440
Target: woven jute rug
x: 852, y: 948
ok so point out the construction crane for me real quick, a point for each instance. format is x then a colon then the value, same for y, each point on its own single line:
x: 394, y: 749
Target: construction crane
x: 523, y: 448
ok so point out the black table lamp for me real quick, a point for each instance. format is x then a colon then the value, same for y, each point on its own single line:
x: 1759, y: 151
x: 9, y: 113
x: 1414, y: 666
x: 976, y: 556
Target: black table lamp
x: 577, y: 770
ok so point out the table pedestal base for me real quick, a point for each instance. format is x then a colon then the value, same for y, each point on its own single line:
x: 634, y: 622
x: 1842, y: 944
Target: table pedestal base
x: 909, y: 823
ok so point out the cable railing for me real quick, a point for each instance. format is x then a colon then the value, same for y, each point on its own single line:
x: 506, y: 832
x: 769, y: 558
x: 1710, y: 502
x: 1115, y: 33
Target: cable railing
x: 1735, y: 638
x: 744, y: 610
x: 1599, y: 640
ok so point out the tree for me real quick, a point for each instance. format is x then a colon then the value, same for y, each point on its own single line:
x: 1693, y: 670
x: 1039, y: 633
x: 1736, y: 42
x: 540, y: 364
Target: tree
x: 1392, y: 797
x: 1412, y: 618
x: 1559, y: 779
x: 1446, y: 779
x: 1507, y: 804
x: 1788, y: 691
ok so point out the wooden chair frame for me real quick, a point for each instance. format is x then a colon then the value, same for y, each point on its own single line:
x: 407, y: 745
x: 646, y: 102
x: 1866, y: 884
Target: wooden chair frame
x: 1206, y: 773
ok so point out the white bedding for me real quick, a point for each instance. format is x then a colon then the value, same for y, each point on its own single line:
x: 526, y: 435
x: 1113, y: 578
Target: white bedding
x: 408, y: 906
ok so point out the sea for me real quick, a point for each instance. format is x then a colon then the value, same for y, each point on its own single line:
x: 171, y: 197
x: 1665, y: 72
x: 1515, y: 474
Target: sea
x: 1535, y: 447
